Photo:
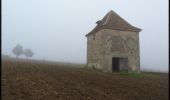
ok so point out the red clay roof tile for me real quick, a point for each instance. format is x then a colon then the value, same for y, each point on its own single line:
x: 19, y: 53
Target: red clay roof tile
x: 113, y: 21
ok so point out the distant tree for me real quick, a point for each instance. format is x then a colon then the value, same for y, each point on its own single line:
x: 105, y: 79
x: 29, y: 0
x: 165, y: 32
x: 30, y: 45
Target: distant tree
x: 17, y: 50
x: 28, y: 53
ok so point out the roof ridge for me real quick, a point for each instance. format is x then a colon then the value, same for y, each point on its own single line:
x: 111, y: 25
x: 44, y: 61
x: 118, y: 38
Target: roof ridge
x: 107, y: 17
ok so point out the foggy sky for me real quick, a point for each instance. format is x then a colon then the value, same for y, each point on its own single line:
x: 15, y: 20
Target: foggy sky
x: 56, y: 29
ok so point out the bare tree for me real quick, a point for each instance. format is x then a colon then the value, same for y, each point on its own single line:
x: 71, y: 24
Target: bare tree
x: 28, y: 53
x: 18, y: 50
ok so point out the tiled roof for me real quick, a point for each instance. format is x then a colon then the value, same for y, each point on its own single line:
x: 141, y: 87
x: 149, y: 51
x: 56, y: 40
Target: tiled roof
x: 113, y: 21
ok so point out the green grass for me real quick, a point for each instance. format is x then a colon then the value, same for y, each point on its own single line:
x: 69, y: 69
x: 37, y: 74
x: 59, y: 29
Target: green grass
x: 135, y: 74
x: 121, y: 73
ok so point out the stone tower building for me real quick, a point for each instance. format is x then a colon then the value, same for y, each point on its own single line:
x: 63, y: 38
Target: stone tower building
x: 113, y: 45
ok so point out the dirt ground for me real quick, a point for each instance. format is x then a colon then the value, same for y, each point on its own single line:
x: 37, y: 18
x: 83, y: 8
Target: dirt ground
x: 38, y: 81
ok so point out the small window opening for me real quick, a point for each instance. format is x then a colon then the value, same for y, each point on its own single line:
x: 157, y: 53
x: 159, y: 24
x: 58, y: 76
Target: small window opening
x: 93, y: 37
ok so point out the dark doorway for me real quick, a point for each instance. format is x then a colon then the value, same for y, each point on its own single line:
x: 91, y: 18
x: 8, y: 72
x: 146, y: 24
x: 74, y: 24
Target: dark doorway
x: 123, y: 64
x: 115, y: 64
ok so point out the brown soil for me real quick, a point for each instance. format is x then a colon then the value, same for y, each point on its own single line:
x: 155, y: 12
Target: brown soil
x: 38, y: 81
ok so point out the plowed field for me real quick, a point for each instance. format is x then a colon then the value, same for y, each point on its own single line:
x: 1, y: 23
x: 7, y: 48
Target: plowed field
x: 38, y: 81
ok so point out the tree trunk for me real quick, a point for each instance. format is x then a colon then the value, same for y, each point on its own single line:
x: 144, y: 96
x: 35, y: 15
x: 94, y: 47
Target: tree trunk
x: 17, y: 57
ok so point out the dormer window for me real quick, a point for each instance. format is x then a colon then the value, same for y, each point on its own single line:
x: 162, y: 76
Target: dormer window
x: 99, y: 22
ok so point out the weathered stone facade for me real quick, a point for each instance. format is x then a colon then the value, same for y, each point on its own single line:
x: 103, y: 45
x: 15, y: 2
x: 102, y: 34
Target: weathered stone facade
x: 106, y: 44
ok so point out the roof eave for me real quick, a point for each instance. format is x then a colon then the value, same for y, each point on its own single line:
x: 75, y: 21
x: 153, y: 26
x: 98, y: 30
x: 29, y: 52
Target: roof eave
x: 132, y: 30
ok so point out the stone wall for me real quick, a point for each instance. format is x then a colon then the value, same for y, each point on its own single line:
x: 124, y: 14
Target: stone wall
x: 108, y: 43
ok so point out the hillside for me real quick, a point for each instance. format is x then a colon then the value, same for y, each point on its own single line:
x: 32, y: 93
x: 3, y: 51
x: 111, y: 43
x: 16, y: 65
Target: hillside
x: 44, y: 81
